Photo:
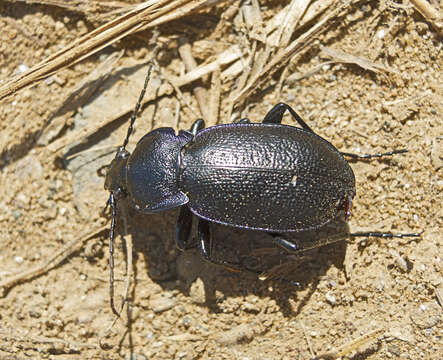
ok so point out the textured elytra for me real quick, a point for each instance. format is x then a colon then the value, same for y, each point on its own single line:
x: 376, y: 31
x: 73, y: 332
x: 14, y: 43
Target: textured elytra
x: 265, y: 176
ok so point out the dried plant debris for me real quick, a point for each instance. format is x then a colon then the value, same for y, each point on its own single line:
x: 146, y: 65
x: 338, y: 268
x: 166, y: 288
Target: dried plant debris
x: 146, y: 15
x: 222, y: 60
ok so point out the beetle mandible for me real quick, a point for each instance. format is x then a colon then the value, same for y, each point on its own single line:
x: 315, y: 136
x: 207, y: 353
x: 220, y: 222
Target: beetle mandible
x: 262, y: 176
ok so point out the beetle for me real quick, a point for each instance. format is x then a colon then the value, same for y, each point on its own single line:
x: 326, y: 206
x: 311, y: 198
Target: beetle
x: 259, y: 176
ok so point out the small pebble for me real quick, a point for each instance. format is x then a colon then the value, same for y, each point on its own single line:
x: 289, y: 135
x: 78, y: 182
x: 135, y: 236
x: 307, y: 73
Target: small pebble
x: 18, y: 259
x: 330, y: 298
x: 427, y: 315
x: 34, y: 314
x: 16, y: 214
x: 197, y: 292
x: 399, y: 261
x: 159, y: 304
x: 240, y: 333
x: 22, y: 68
x: 135, y: 356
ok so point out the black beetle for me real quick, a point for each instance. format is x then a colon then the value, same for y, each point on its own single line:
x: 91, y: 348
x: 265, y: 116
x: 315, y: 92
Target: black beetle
x: 265, y: 176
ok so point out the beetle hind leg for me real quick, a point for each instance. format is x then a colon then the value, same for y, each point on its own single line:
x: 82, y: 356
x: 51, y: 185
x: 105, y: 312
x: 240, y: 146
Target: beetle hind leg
x: 275, y: 116
x: 197, y: 126
x: 387, y: 235
x: 372, y: 156
x: 289, y: 246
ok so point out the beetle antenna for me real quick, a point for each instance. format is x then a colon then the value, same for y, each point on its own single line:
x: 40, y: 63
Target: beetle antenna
x: 112, y: 201
x: 139, y: 103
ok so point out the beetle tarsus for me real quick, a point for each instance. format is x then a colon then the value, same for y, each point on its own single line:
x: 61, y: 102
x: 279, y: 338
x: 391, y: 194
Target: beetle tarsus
x: 371, y: 156
x: 287, y: 245
x: 385, y: 234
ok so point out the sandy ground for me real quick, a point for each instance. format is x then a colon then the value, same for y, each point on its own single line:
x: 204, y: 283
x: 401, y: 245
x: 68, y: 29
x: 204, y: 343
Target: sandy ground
x: 179, y: 306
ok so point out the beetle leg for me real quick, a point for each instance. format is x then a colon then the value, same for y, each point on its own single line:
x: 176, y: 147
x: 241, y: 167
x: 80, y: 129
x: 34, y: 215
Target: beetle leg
x: 183, y: 228
x: 111, y: 252
x: 275, y: 116
x: 285, y: 244
x: 205, y: 244
x: 197, y: 126
x: 205, y: 240
x: 384, y: 234
x: 370, y: 156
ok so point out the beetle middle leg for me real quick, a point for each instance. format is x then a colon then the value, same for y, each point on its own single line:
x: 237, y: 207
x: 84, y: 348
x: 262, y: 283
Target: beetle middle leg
x: 205, y: 243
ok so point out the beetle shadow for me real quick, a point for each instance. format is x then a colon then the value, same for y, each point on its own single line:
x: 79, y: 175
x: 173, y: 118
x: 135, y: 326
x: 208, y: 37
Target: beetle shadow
x: 269, y: 271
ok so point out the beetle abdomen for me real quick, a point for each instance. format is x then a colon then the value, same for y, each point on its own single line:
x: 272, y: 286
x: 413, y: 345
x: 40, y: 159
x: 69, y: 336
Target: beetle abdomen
x: 264, y: 176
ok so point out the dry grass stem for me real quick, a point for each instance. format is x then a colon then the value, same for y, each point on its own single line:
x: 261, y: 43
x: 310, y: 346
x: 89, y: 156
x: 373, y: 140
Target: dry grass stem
x: 78, y: 97
x: 179, y: 94
x: 226, y: 57
x: 284, y: 55
x: 86, y: 7
x: 155, y: 90
x: 214, y: 97
x: 51, y: 263
x: 290, y: 22
x: 297, y: 77
x: 307, y: 338
x: 27, y: 338
x: 148, y: 14
x: 185, y: 53
x: 431, y: 14
x: 314, y: 10
x: 253, y: 21
x: 352, y: 346
x: 364, y: 63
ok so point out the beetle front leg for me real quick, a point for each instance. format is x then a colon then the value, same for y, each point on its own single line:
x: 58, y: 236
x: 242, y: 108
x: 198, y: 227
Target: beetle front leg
x: 275, y: 116
x: 183, y: 228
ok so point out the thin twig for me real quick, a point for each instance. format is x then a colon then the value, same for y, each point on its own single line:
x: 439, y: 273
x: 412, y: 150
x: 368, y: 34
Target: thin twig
x: 284, y: 55
x: 431, y: 14
x: 51, y: 263
x: 353, y: 345
x: 190, y: 64
x: 146, y: 15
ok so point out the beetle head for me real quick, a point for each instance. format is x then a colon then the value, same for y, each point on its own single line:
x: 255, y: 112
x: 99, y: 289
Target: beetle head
x: 115, y: 180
